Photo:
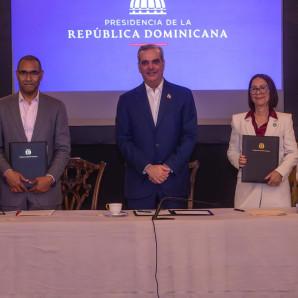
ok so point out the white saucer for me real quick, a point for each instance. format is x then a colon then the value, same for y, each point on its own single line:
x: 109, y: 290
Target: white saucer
x: 109, y: 214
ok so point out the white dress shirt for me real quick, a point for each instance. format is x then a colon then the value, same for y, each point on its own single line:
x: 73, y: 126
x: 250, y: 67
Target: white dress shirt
x: 154, y: 97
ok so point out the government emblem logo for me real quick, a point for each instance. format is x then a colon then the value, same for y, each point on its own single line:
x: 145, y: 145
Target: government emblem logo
x: 147, y: 7
x: 28, y: 152
x: 261, y: 146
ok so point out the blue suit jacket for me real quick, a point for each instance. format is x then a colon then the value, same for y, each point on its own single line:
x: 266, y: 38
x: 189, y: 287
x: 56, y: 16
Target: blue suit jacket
x: 171, y: 141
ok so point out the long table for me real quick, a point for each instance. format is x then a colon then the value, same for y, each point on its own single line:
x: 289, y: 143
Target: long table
x: 82, y: 254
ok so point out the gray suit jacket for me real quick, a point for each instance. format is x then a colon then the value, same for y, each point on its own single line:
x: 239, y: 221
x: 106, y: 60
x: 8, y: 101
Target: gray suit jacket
x: 51, y: 126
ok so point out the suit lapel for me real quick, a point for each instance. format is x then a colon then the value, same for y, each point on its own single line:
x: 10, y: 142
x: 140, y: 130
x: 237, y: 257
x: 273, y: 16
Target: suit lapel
x: 143, y: 104
x: 272, y: 126
x: 249, y: 128
x: 41, y: 112
x: 16, y: 116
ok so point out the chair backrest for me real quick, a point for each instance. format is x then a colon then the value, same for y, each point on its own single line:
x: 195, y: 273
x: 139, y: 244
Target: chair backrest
x: 76, y: 185
x: 294, y: 187
x: 194, y: 165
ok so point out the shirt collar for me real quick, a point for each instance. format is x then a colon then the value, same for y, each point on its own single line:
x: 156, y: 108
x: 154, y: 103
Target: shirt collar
x: 251, y: 114
x: 159, y: 88
x: 21, y: 97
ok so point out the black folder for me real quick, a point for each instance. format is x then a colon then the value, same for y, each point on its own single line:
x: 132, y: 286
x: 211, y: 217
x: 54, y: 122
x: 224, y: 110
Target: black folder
x: 262, y: 157
x: 29, y: 158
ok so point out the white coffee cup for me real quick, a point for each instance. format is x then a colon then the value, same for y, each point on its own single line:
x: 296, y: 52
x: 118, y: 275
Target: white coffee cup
x: 114, y: 208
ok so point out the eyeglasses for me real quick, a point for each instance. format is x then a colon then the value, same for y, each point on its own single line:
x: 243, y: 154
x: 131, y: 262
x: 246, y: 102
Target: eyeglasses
x: 262, y: 89
x: 33, y: 73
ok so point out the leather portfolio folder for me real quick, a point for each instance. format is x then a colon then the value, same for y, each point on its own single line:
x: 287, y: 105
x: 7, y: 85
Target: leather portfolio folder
x: 29, y: 158
x: 262, y: 157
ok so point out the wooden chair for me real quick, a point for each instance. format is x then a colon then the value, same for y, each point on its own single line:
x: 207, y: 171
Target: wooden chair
x: 294, y: 187
x: 194, y: 165
x: 76, y: 185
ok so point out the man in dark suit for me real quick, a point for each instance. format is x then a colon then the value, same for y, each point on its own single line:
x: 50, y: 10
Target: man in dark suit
x: 156, y: 127
x: 31, y: 116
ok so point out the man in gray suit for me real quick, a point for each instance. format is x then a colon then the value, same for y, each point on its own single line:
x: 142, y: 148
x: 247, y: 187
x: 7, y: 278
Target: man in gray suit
x: 31, y: 116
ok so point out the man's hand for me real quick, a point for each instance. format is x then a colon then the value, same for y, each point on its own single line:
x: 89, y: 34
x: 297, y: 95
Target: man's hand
x: 43, y: 184
x: 274, y: 178
x: 158, y: 173
x: 14, y: 180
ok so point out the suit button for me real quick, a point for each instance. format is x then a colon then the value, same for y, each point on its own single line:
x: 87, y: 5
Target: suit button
x: 157, y: 145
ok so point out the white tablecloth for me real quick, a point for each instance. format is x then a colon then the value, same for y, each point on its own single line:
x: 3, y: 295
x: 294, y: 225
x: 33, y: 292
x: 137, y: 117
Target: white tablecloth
x: 84, y: 254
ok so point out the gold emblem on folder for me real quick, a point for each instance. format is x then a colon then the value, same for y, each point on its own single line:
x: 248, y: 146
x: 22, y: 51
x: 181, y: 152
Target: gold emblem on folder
x: 261, y: 146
